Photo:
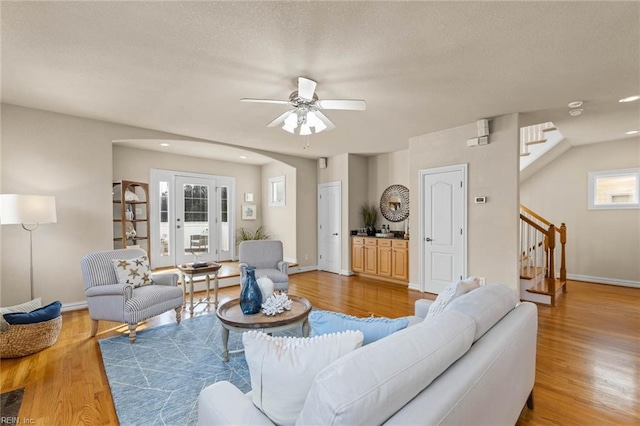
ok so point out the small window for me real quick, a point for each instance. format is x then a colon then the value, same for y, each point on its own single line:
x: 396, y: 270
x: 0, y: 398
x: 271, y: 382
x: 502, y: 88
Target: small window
x: 277, y: 191
x: 614, y: 189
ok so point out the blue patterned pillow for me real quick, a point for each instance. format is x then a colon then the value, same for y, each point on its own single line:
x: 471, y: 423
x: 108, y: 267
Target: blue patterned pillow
x: 43, y: 314
x: 324, y: 322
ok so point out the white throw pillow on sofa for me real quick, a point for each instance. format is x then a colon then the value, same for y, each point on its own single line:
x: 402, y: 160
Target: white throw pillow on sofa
x: 450, y: 293
x: 282, y: 369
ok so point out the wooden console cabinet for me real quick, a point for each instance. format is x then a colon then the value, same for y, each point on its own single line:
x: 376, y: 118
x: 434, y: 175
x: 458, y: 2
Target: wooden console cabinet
x: 381, y: 258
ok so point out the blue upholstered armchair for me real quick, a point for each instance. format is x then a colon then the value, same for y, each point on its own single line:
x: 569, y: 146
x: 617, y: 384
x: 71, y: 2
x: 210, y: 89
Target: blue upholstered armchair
x: 266, y: 256
x: 111, y: 300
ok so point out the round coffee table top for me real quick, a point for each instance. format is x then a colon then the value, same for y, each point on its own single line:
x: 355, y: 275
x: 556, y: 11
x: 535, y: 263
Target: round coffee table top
x: 230, y: 313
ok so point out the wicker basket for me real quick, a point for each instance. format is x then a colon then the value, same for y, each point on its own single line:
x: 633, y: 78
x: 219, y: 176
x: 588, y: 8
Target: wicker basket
x: 26, y: 339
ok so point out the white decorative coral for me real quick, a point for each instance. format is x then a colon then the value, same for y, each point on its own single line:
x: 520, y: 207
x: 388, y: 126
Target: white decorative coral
x: 276, y: 304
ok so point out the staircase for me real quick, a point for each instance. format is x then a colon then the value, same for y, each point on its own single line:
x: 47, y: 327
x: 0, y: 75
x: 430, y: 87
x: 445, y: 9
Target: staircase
x: 541, y: 280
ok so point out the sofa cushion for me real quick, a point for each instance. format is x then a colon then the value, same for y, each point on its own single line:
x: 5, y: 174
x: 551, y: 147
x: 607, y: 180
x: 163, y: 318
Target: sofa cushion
x: 324, y: 322
x: 486, y: 306
x: 133, y: 271
x: 282, y: 368
x: 43, y: 314
x: 29, y: 306
x: 368, y: 385
x: 450, y: 293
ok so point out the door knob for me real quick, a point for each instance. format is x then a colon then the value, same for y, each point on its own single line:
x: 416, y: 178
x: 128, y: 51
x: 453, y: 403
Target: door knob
x: 178, y: 226
x: 336, y: 234
x: 428, y: 239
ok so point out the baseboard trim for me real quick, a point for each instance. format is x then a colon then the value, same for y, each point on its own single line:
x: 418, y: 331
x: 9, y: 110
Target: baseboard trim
x: 73, y: 306
x: 413, y: 286
x: 290, y: 260
x: 601, y: 280
x: 299, y: 269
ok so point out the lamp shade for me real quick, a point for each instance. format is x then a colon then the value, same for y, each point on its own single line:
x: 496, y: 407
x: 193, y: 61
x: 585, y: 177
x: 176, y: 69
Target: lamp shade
x: 29, y: 209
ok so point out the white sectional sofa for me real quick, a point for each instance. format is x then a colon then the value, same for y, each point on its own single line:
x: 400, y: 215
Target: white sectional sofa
x: 474, y: 364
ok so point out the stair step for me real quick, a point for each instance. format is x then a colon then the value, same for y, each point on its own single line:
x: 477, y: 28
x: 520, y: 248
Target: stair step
x: 544, y: 286
x: 530, y: 272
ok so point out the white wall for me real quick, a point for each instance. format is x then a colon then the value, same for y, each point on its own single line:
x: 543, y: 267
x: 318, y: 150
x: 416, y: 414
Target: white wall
x: 383, y: 171
x: 492, y: 172
x: 70, y: 157
x: 602, y: 245
x: 278, y: 221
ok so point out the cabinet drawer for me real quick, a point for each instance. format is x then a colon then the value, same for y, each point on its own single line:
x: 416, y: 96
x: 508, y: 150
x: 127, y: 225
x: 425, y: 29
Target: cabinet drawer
x: 400, y: 244
x: 358, y: 240
x: 384, y: 243
x: 370, y: 242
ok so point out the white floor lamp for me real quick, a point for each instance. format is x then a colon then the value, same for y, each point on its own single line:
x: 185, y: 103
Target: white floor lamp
x: 28, y: 211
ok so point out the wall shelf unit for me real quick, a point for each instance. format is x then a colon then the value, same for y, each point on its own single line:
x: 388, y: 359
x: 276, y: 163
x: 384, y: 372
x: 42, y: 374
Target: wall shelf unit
x: 131, y: 226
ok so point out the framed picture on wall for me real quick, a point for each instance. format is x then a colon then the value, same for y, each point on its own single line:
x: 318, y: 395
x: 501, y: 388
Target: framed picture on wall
x: 249, y: 212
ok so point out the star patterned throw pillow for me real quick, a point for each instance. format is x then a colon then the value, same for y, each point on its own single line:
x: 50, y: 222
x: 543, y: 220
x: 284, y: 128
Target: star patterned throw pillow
x: 133, y: 271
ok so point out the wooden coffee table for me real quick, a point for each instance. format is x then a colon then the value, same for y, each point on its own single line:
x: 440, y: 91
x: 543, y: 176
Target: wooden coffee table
x: 212, y: 268
x: 232, y: 318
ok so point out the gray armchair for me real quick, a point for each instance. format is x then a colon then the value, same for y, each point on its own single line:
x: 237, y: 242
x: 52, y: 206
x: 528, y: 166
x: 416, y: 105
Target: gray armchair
x: 111, y: 300
x: 266, y: 256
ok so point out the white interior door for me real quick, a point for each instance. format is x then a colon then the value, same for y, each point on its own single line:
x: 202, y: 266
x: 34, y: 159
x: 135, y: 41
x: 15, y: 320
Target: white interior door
x: 329, y: 223
x: 443, y: 223
x: 195, y: 219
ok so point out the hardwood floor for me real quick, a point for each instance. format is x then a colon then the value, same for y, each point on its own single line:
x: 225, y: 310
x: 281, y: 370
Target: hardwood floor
x: 588, y: 363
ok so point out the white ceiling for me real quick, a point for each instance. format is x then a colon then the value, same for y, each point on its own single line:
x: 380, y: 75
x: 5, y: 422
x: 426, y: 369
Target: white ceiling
x: 182, y: 67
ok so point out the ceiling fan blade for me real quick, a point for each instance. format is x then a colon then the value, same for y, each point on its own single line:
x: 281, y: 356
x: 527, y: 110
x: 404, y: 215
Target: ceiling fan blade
x: 350, y: 104
x: 280, y: 118
x: 306, y: 88
x: 265, y: 101
x: 325, y: 120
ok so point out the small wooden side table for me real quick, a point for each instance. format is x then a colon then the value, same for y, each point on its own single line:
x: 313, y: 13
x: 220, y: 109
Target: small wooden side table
x: 212, y: 268
x: 232, y: 318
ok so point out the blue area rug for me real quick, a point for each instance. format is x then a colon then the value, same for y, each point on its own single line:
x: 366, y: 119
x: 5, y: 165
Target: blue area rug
x: 156, y: 380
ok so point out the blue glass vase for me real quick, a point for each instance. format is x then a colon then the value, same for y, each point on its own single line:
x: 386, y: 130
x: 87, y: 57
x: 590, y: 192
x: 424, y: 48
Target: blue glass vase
x: 250, y: 295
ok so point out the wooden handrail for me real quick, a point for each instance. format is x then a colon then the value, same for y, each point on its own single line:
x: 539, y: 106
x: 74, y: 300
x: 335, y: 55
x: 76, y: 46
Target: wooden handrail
x: 532, y: 223
x: 528, y: 216
x: 537, y: 216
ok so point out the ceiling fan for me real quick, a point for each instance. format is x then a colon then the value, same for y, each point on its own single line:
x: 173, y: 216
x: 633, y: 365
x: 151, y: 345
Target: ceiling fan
x: 305, y: 114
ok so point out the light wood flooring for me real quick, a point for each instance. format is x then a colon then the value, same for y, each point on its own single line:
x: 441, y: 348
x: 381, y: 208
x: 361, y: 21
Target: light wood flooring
x: 588, y: 362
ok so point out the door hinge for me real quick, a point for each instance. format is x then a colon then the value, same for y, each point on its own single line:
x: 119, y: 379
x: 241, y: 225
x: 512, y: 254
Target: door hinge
x: 320, y: 196
x: 460, y: 184
x: 320, y: 256
x: 460, y: 231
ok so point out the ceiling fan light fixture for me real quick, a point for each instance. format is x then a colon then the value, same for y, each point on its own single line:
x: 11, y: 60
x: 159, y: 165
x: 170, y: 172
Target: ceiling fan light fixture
x: 320, y: 126
x: 288, y: 128
x: 305, y: 130
x: 312, y: 119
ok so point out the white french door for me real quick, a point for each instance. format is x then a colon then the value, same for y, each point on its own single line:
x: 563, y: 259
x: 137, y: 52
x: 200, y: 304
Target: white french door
x: 329, y: 223
x: 443, y: 233
x: 195, y: 219
x: 191, y: 218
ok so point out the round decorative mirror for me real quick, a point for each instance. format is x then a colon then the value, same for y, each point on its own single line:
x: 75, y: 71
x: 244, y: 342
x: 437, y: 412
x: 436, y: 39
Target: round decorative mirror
x: 394, y: 203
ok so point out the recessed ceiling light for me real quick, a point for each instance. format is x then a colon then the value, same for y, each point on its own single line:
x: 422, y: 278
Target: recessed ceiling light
x: 576, y: 112
x: 244, y: 157
x: 575, y: 104
x: 630, y: 99
x: 164, y: 144
x: 631, y: 132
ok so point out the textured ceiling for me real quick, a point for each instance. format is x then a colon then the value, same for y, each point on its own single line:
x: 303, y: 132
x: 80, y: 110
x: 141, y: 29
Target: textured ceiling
x: 182, y: 67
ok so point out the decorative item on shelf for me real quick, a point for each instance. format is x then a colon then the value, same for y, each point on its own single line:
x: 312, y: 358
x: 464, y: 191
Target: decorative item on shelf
x: 369, y: 216
x: 130, y: 196
x: 277, y: 304
x: 250, y: 295
x: 266, y: 287
x: 130, y: 231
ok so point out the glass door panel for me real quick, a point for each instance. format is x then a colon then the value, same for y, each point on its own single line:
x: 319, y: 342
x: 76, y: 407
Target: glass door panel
x: 195, y: 219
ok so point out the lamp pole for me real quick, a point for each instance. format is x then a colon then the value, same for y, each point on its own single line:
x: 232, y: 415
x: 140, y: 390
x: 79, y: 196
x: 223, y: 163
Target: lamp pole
x: 30, y: 228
